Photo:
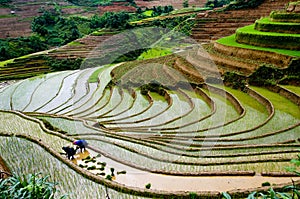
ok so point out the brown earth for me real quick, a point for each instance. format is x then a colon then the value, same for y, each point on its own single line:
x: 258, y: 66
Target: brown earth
x: 175, y: 3
x: 212, y: 25
x: 19, y: 24
x: 4, y: 169
x: 117, y: 7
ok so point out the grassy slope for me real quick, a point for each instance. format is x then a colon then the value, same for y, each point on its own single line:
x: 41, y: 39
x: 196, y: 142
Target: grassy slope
x: 230, y: 41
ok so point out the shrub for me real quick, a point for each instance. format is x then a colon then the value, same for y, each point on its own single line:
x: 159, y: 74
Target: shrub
x: 265, y: 76
x: 234, y: 80
x: 265, y: 184
x: 241, y: 4
x: 30, y: 186
x: 109, y: 177
x: 63, y: 64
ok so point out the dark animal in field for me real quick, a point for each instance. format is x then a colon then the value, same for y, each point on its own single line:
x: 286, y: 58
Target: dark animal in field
x: 81, y: 144
x: 70, y: 152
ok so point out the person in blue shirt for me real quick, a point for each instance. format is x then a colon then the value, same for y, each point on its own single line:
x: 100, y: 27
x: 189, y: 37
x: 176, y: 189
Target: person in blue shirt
x: 80, y: 144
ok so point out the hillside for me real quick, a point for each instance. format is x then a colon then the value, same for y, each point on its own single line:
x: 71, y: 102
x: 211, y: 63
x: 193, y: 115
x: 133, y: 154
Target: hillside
x: 19, y: 24
x: 270, y: 44
x: 213, y: 25
x: 163, y: 116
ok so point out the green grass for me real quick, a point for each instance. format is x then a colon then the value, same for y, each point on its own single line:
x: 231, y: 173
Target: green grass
x: 267, y: 20
x: 250, y: 29
x: 154, y: 53
x: 295, y: 89
x: 7, y: 16
x: 148, y: 13
x: 74, y: 43
x: 187, y: 10
x: 230, y: 41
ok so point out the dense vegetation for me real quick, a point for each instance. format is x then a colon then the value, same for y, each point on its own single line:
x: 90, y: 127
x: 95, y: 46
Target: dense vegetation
x: 234, y: 4
x: 30, y: 186
x: 55, y: 29
x: 16, y: 47
x: 4, y: 2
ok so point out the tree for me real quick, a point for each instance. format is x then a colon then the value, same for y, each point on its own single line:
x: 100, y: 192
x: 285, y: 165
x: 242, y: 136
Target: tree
x: 185, y: 4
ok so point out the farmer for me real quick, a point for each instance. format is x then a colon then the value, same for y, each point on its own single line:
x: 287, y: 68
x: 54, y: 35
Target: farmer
x: 70, y: 152
x: 80, y: 144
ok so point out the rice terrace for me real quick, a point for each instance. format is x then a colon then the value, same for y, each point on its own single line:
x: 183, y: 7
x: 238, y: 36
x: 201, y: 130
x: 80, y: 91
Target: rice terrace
x: 149, y: 99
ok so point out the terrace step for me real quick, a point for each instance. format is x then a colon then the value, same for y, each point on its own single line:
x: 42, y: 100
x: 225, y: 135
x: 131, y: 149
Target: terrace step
x: 240, y: 17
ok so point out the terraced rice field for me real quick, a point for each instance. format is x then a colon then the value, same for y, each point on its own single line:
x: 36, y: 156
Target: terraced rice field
x: 176, y: 137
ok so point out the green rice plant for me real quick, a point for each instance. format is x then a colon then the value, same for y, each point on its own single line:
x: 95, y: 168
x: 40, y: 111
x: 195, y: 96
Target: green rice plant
x: 33, y: 158
x: 280, y: 103
x: 295, y: 89
x: 154, y: 53
x: 248, y: 35
x: 267, y: 25
x: 12, y: 123
x: 231, y: 41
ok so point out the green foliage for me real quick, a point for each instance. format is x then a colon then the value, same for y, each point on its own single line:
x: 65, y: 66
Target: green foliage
x: 234, y: 80
x: 193, y: 195
x: 30, y: 186
x: 154, y: 52
x: 230, y: 41
x: 55, y: 29
x: 171, y: 23
x: 265, y: 76
x: 63, y: 64
x: 241, y: 4
x: 216, y: 3
x: 108, y: 177
x: 159, y: 10
x: 265, y: 184
x: 4, y: 2
x: 117, y: 20
x: 226, y: 195
x: 296, y: 163
x: 153, y: 87
x: 284, y: 16
x: 16, y: 47
x: 185, y: 4
x: 148, y: 186
x: 249, y: 35
x: 266, y: 25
